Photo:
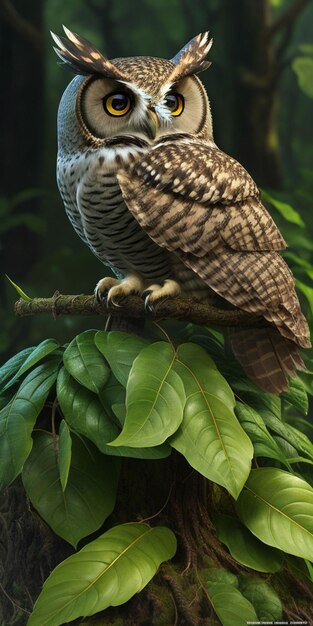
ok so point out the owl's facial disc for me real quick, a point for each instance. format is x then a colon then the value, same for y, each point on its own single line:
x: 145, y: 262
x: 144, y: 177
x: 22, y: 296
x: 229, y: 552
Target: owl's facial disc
x: 109, y: 108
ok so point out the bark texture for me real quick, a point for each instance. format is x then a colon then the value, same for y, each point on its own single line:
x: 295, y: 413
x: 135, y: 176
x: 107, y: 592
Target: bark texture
x: 133, y: 307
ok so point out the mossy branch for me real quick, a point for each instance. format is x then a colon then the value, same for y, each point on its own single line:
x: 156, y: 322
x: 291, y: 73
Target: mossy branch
x: 133, y: 307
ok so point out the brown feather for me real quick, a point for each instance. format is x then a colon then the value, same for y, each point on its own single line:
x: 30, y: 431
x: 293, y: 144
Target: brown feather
x: 83, y: 57
x: 191, y: 58
x: 266, y: 357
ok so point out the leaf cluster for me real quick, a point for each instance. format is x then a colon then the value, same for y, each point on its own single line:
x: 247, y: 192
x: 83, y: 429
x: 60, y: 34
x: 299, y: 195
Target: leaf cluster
x: 69, y: 414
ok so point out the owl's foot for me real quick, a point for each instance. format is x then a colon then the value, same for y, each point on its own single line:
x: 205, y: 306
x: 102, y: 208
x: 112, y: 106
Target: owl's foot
x: 109, y: 290
x: 154, y: 294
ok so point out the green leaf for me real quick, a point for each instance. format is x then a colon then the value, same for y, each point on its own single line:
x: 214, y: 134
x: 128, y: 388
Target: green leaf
x: 229, y: 604
x: 12, y: 365
x: 85, y: 414
x: 303, y: 68
x: 287, y: 449
x: 157, y: 452
x: 17, y: 419
x: 210, y: 436
x: 85, y: 363
x: 34, y: 223
x: 155, y: 398
x: 65, y: 453
x: 299, y: 459
x: 298, y: 567
x: 4, y: 400
x: 45, y: 348
x: 19, y: 290
x: 287, y: 211
x: 120, y: 350
x: 292, y: 435
x: 277, y: 507
x: 90, y: 494
x: 112, y: 393
x: 310, y: 569
x: 262, y: 596
x: 245, y: 547
x: 221, y: 576
x: 263, y: 443
x: 106, y: 572
x: 262, y: 402
x: 303, y: 442
x: 119, y: 411
x: 307, y: 292
x: 297, y: 395
x: 300, y: 262
x: 25, y: 195
x: 306, y: 48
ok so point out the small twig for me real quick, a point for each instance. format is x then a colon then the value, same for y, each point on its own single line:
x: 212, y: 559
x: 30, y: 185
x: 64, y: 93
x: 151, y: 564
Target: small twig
x: 133, y: 307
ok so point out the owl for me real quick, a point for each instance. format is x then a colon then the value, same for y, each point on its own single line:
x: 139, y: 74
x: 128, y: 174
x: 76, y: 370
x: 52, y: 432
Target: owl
x: 148, y: 190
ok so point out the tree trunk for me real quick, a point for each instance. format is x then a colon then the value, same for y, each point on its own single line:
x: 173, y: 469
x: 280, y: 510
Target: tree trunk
x: 167, y: 492
x: 22, y: 110
x: 254, y: 75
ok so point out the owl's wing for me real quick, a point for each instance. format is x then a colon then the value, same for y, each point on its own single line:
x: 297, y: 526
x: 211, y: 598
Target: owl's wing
x: 199, y: 193
x: 201, y: 204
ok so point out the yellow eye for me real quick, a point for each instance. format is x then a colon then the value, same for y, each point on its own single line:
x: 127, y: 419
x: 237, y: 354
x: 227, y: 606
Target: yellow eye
x: 117, y: 103
x: 176, y: 103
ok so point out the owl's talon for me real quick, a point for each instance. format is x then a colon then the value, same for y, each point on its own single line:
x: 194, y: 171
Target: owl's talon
x: 155, y: 294
x: 113, y: 303
x: 102, y: 297
x: 150, y: 306
x: 111, y: 291
x: 145, y: 294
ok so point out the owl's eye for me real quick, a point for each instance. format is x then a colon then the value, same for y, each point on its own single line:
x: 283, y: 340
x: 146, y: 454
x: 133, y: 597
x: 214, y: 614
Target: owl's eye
x: 117, y: 103
x: 175, y: 102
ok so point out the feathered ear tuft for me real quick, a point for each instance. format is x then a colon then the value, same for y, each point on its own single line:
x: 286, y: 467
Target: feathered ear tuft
x: 191, y: 58
x: 83, y: 58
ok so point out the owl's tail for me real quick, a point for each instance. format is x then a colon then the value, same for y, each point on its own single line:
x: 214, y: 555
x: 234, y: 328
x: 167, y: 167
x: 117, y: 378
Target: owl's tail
x: 266, y: 357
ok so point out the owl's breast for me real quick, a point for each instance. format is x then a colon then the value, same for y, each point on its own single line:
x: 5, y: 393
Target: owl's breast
x: 108, y: 227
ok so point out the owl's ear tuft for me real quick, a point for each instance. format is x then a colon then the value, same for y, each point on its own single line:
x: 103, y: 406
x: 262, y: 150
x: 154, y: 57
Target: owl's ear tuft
x: 83, y: 57
x: 191, y: 58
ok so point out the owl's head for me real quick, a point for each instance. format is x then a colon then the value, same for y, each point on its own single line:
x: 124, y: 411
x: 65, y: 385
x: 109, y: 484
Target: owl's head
x: 145, y: 97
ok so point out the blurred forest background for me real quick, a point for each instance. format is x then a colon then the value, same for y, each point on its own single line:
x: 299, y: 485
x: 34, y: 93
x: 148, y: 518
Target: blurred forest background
x: 261, y: 91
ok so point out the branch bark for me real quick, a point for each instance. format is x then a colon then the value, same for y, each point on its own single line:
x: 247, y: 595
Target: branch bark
x: 133, y: 306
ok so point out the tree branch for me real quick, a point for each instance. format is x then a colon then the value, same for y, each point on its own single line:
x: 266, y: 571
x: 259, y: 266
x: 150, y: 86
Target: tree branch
x: 133, y: 306
x: 285, y: 24
x: 287, y: 19
x: 20, y: 24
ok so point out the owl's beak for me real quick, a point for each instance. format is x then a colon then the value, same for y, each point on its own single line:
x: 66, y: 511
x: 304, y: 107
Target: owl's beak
x: 152, y: 124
